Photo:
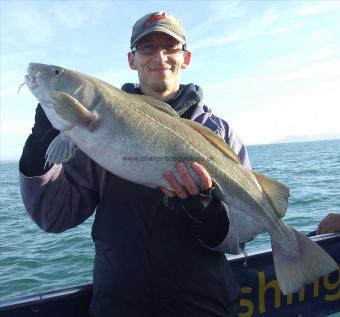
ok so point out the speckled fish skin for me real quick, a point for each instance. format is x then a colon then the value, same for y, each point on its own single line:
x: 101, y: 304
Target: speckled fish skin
x: 139, y: 138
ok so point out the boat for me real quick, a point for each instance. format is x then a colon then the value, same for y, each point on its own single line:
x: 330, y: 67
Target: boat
x: 260, y: 293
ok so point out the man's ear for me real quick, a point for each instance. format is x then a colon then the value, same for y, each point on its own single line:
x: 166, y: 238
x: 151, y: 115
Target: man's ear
x: 187, y: 59
x: 131, y: 60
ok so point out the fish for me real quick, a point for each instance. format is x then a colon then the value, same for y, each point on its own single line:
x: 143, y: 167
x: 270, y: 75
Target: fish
x: 138, y: 138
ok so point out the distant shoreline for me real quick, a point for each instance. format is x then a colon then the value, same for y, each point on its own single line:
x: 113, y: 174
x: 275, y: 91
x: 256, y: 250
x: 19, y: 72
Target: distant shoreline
x: 297, y: 139
x: 9, y: 161
x: 292, y: 142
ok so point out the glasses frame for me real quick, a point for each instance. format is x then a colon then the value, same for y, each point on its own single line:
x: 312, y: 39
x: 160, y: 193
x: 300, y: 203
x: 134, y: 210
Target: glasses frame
x: 156, y: 47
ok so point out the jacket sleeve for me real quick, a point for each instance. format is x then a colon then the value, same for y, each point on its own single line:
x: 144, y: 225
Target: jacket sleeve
x: 233, y: 140
x: 65, y: 196
x: 238, y: 147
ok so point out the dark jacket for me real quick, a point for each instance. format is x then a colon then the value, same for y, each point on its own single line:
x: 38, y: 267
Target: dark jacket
x: 152, y: 259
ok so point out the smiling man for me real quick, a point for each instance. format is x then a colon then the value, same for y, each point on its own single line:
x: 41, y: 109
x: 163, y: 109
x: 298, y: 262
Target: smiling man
x: 159, y: 58
x: 158, y: 253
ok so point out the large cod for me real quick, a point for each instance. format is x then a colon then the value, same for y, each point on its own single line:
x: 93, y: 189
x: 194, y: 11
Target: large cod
x: 121, y: 132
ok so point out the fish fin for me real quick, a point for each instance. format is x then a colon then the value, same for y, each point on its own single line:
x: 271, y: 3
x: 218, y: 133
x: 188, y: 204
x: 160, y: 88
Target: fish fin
x: 293, y: 272
x: 160, y: 105
x: 229, y: 245
x: 243, y: 227
x: 214, y: 139
x: 276, y: 192
x: 71, y: 110
x: 60, y: 150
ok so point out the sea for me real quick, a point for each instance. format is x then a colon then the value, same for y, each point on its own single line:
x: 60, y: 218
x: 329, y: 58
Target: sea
x: 33, y: 261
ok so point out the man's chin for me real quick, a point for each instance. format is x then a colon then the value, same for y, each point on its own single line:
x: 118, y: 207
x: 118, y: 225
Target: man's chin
x: 160, y: 87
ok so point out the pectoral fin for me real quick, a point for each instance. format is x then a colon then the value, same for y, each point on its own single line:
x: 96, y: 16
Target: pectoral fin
x: 60, y: 150
x: 276, y: 192
x: 71, y: 110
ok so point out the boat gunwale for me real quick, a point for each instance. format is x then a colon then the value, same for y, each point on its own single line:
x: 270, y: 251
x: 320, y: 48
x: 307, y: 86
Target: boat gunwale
x: 79, y: 290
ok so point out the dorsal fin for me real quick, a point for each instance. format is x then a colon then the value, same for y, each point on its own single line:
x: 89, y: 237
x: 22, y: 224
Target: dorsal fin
x: 276, y: 192
x: 160, y: 105
x: 214, y: 139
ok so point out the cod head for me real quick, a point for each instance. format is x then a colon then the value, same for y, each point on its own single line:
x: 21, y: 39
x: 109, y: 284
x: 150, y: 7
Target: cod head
x: 48, y: 82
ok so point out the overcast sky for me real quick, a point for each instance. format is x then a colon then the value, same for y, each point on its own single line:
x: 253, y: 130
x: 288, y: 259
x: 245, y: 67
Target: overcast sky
x: 269, y: 68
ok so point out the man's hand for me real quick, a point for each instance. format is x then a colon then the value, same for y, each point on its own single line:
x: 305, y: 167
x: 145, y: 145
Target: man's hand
x: 204, y: 215
x: 189, y: 187
x: 329, y: 224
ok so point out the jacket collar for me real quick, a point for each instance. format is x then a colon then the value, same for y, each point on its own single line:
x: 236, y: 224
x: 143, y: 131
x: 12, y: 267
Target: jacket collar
x: 184, y: 102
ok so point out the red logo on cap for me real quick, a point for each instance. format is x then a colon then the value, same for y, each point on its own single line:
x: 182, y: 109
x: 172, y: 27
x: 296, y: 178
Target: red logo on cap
x: 153, y: 18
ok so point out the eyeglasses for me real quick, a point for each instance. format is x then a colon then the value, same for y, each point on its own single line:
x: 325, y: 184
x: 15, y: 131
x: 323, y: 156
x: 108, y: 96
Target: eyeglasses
x: 150, y: 49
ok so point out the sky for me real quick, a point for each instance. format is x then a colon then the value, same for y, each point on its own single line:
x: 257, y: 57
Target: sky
x: 271, y: 69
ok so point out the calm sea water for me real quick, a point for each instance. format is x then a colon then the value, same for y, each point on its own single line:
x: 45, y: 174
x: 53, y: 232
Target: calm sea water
x: 33, y: 261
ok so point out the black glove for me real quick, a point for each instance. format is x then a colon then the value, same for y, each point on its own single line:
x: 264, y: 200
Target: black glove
x: 32, y: 160
x: 196, y: 206
x: 208, y: 219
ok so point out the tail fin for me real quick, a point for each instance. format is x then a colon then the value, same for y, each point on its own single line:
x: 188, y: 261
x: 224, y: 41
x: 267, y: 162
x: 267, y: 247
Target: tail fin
x: 294, y: 272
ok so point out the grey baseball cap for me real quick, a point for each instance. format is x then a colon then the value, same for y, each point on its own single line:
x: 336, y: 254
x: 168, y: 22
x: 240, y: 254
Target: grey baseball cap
x: 158, y: 22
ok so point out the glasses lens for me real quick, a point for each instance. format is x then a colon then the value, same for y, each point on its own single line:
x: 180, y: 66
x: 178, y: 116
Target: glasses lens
x: 146, y: 48
x: 168, y: 49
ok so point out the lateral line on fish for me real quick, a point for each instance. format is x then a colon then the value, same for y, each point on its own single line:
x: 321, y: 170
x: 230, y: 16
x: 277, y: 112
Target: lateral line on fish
x: 175, y: 133
x: 140, y: 111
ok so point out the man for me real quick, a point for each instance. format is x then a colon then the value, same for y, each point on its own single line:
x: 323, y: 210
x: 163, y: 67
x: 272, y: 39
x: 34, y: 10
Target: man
x: 155, y: 253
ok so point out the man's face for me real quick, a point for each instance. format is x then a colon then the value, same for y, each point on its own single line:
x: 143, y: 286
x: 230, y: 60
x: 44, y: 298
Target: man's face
x: 158, y: 70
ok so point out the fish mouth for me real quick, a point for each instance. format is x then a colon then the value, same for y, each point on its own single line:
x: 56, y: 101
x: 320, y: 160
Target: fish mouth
x: 34, y: 80
x: 32, y: 77
x: 31, y: 81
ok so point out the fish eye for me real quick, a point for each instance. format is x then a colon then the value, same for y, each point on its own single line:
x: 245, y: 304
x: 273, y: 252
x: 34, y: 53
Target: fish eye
x: 57, y: 71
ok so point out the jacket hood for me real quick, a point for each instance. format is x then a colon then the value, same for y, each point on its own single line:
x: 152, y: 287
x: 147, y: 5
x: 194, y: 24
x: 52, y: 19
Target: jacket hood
x: 184, y: 102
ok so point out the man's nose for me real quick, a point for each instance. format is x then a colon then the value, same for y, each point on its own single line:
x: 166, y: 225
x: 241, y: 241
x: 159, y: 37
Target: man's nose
x: 160, y: 54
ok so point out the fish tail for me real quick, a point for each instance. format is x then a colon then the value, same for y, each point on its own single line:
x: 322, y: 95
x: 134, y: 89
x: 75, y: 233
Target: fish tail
x: 308, y: 264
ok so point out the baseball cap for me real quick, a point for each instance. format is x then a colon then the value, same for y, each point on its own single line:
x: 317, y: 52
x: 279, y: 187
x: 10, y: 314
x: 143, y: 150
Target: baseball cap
x: 158, y: 22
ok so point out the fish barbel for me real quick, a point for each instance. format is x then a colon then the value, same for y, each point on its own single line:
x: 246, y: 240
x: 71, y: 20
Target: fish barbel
x: 117, y: 130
